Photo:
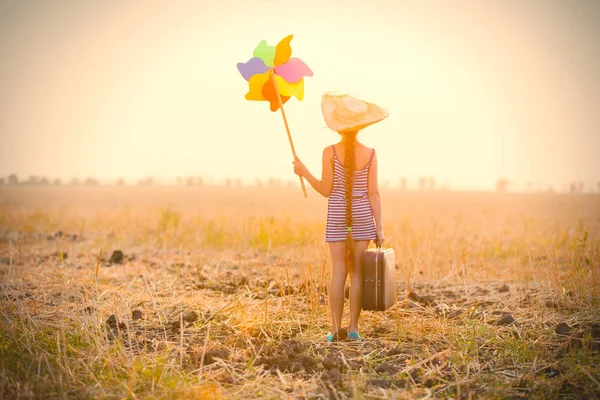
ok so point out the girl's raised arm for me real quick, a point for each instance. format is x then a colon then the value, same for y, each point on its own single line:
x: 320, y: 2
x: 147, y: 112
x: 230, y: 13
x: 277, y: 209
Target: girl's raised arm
x: 325, y: 185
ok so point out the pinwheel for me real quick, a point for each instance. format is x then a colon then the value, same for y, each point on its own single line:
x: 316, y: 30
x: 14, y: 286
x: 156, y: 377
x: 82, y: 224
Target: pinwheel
x: 273, y: 75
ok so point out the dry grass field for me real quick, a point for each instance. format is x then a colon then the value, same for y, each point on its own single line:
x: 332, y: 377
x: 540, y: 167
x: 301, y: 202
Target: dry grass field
x: 221, y: 293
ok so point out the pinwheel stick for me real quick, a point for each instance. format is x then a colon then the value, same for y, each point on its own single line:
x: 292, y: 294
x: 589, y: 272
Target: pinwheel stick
x: 287, y: 128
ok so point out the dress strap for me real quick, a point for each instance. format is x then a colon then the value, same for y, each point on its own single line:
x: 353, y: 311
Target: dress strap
x: 334, y: 153
x: 371, y: 158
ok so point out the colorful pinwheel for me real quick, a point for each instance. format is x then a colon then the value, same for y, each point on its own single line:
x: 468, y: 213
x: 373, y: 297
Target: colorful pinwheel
x: 274, y: 76
x: 288, y: 73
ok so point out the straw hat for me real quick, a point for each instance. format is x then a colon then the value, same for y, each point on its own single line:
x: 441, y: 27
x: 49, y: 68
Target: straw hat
x: 344, y: 113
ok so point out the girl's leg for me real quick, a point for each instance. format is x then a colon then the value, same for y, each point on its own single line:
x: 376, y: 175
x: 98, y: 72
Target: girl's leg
x: 339, y: 271
x: 356, y: 284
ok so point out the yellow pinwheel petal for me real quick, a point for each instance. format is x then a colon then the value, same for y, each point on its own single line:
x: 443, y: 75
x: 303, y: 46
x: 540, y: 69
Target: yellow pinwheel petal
x: 255, y: 85
x: 283, y: 51
x: 290, y: 89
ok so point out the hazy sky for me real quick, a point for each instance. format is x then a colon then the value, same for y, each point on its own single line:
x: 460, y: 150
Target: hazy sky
x: 476, y: 90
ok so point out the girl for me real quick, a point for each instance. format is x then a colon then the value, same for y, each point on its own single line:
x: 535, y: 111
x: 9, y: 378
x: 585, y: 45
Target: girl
x: 349, y: 180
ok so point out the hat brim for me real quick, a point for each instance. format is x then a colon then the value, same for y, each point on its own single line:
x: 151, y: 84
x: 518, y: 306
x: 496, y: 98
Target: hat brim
x: 341, y: 115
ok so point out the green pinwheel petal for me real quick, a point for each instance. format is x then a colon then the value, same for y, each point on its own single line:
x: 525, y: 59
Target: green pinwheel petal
x: 265, y: 53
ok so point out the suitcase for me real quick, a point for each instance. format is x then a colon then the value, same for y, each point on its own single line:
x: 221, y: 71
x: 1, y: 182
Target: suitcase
x: 379, y: 279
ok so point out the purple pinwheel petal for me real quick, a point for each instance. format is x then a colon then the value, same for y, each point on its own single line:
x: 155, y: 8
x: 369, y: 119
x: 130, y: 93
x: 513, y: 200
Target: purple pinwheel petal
x: 293, y: 70
x: 253, y: 66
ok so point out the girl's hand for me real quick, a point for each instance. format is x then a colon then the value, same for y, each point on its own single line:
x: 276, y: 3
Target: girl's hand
x: 299, y: 168
x: 380, y: 236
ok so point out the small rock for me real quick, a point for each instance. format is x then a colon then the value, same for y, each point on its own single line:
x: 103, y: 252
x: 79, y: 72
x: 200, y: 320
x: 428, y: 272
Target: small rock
x: 111, y: 322
x: 332, y: 375
x: 211, y: 356
x: 382, y: 383
x: 427, y: 299
x: 413, y: 296
x: 89, y: 309
x: 505, y: 320
x: 504, y: 288
x: 137, y: 314
x: 114, y: 325
x: 563, y: 329
x: 393, y: 351
x: 190, y: 317
x: 387, y: 368
x: 116, y: 257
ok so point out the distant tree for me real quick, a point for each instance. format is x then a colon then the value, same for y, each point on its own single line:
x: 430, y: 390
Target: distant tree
x: 120, y: 182
x: 529, y: 187
x: 422, y: 183
x: 56, y: 182
x: 44, y: 181
x: 274, y: 182
x: 238, y: 182
x: 200, y: 181
x: 502, y: 185
x: 74, y: 182
x: 403, y: 184
x: 431, y: 184
x: 146, y: 182
x: 1, y: 181
x: 91, y: 182
x: 13, y: 179
x: 190, y: 181
x: 33, y: 180
x: 179, y: 181
x: 258, y: 182
x: 228, y: 182
x: 576, y: 187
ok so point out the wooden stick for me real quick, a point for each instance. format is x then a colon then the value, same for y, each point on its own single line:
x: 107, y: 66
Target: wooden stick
x: 287, y: 128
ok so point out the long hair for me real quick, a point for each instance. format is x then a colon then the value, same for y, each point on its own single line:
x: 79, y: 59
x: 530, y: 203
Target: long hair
x: 349, y: 164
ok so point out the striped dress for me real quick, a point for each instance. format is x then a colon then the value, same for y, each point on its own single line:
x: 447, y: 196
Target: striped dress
x: 363, y: 227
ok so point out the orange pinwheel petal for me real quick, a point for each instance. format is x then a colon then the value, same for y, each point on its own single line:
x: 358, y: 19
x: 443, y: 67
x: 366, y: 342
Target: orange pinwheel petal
x: 268, y: 92
x: 255, y: 85
x: 283, y: 51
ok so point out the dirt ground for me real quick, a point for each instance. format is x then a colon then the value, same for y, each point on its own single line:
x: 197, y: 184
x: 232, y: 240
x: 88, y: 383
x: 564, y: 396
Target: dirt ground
x: 216, y: 292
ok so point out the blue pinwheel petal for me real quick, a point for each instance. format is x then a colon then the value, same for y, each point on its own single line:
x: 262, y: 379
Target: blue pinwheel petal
x: 253, y: 66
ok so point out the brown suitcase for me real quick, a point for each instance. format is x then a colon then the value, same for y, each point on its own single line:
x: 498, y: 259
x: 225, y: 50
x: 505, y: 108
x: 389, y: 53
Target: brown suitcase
x: 379, y: 279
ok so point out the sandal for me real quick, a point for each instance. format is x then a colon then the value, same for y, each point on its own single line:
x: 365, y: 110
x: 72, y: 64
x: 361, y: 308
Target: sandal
x: 354, y: 337
x: 332, y: 337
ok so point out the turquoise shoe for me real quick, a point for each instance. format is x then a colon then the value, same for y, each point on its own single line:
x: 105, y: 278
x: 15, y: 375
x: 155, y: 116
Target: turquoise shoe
x: 354, y: 337
x: 330, y: 337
